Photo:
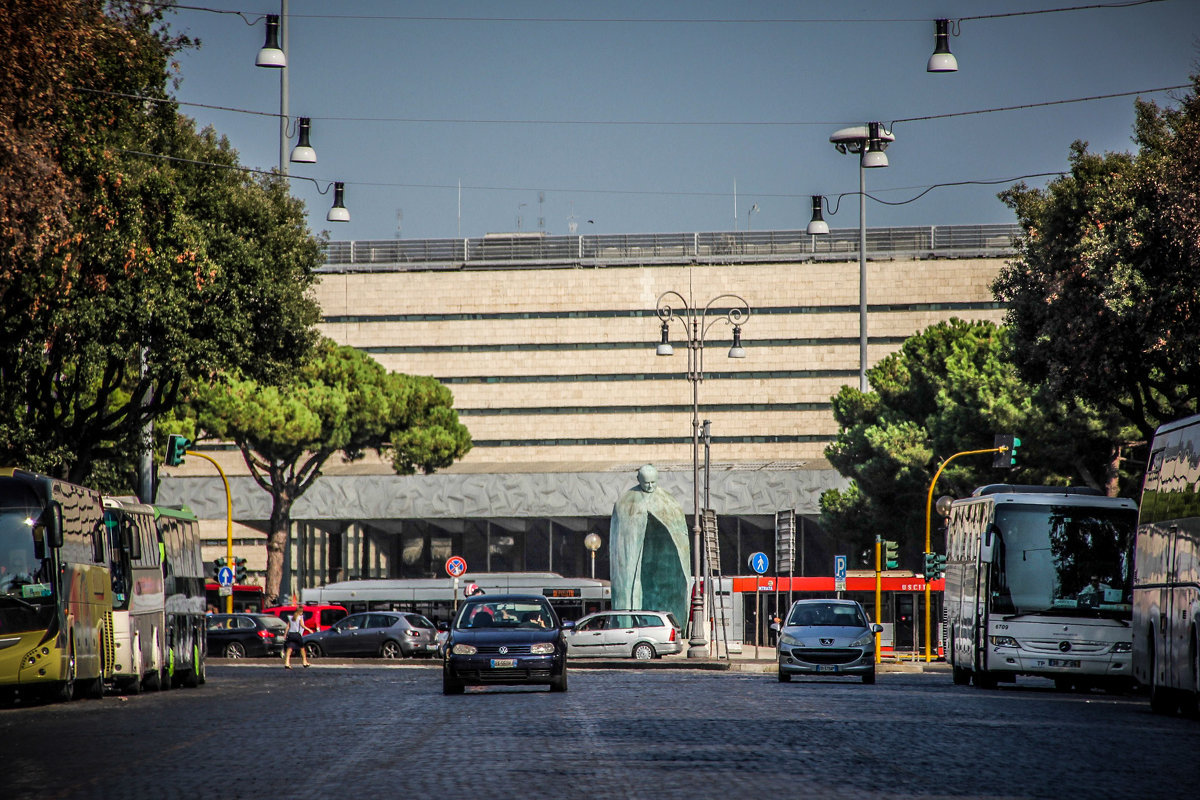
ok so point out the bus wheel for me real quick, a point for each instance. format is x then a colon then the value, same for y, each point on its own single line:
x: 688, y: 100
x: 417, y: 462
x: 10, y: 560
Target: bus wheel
x: 985, y: 680
x: 66, y: 688
x: 201, y: 666
x: 961, y: 676
x: 1160, y: 698
x: 153, y: 681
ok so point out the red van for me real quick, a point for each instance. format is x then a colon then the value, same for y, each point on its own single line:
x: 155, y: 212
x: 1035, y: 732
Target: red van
x: 316, y: 617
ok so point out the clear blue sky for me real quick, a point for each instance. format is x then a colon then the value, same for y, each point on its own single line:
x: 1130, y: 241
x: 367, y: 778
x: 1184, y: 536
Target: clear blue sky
x: 636, y: 117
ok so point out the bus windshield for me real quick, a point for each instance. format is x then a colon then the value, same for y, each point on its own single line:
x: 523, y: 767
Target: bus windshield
x: 1063, y: 560
x: 26, y: 588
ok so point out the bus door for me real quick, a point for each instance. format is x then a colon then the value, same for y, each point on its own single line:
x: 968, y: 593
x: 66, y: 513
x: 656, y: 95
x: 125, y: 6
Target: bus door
x: 904, y: 632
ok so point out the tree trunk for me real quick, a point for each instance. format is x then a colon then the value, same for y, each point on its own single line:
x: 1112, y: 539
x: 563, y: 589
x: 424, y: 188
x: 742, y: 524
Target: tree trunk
x: 278, y: 537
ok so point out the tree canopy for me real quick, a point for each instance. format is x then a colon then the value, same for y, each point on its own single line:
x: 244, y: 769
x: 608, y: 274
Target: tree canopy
x: 1104, y: 301
x: 947, y: 390
x: 134, y: 254
x: 341, y: 401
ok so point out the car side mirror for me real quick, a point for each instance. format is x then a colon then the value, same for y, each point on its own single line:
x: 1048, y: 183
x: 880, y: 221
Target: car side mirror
x: 876, y: 627
x: 568, y: 625
x: 443, y: 626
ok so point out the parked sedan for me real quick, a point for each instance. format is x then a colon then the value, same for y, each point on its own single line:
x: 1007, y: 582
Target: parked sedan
x: 242, y: 635
x: 387, y: 634
x: 505, y: 639
x: 828, y: 637
x: 625, y: 634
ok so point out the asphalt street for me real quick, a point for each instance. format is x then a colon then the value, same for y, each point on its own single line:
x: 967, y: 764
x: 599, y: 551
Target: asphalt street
x: 359, y: 731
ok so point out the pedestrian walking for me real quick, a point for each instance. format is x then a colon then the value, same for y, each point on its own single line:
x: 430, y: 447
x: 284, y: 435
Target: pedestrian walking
x: 776, y: 626
x: 297, y: 627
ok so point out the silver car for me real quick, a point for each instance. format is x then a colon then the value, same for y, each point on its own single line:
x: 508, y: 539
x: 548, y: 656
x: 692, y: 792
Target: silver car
x: 625, y: 634
x: 827, y: 637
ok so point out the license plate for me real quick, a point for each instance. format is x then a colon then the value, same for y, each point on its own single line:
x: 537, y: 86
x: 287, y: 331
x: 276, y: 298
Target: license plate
x: 827, y: 668
x: 503, y: 662
x: 1058, y: 662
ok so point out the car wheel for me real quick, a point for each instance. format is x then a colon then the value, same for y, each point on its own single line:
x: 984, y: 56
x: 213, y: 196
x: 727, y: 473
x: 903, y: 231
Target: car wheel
x: 391, y: 649
x: 235, y: 650
x: 643, y: 651
x: 559, y: 684
x: 869, y: 677
x: 784, y: 677
x: 313, y: 650
x: 450, y: 685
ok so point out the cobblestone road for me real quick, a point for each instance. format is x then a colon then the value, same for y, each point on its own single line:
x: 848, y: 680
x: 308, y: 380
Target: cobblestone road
x: 257, y: 731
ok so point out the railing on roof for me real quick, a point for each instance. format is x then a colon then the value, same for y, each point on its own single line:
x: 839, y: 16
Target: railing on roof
x: 513, y: 251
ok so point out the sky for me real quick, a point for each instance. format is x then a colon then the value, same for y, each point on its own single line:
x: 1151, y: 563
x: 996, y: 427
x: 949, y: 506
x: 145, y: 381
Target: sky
x: 458, y: 119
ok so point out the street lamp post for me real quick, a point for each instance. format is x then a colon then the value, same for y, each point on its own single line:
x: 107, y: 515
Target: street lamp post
x: 696, y: 322
x: 592, y: 543
x: 869, y: 142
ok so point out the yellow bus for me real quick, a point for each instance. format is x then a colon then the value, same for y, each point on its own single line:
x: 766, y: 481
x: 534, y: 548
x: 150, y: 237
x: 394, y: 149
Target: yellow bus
x: 55, y: 589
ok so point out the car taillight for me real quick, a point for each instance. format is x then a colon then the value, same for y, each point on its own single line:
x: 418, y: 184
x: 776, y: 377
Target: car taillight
x: 265, y: 634
x: 412, y: 632
x: 672, y: 635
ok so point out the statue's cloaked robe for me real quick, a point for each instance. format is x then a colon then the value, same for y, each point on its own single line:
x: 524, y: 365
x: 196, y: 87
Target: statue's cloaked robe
x: 650, y: 553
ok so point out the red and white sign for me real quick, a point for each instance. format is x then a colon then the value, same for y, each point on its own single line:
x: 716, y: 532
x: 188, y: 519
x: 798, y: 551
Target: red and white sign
x: 456, y: 566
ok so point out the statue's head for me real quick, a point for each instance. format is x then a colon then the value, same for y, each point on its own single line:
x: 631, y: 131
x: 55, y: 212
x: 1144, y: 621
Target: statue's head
x: 647, y: 478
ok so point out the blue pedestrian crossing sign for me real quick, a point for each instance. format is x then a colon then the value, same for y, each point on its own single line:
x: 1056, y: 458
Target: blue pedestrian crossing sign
x: 759, y: 562
x: 225, y: 576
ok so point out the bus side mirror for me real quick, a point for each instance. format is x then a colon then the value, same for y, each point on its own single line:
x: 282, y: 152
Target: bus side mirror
x: 54, y: 528
x: 130, y: 542
x: 987, y: 546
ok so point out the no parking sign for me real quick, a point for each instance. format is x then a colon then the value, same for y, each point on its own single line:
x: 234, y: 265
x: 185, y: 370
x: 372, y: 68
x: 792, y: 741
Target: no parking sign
x: 456, y: 566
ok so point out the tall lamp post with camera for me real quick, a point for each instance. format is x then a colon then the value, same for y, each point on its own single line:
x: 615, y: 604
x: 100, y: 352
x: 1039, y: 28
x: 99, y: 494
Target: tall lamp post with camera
x: 696, y: 322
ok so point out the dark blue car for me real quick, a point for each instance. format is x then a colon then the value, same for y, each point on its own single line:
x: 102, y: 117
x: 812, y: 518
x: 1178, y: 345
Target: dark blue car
x: 506, y: 639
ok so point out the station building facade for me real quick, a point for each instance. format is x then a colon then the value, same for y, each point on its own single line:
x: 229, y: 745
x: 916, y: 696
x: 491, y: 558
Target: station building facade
x: 549, y: 346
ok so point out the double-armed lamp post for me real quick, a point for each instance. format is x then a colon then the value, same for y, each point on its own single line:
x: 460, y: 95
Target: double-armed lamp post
x: 696, y: 322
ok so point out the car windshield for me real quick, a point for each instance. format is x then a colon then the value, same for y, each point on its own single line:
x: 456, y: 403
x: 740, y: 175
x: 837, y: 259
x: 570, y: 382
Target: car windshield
x: 826, y: 614
x: 273, y: 623
x: 526, y: 614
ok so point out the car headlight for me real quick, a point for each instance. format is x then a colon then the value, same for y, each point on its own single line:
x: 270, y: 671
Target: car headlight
x: 464, y: 650
x: 790, y: 640
x: 866, y: 639
x: 542, y: 648
x: 1123, y: 647
x: 1003, y: 641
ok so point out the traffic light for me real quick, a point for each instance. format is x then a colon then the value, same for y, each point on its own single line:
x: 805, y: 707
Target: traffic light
x: 239, y: 570
x: 929, y: 561
x: 217, y: 564
x: 891, y: 554
x: 176, y: 445
x: 1006, y: 451
x: 935, y: 566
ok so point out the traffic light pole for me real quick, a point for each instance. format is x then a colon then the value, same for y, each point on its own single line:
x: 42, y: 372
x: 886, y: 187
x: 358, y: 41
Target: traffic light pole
x: 228, y: 519
x: 928, y: 548
x: 879, y: 598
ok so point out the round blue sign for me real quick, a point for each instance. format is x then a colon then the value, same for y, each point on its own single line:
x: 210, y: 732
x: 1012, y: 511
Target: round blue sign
x: 759, y: 562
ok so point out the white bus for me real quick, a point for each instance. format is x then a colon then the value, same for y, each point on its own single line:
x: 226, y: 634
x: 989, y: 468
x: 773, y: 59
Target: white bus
x: 1039, y: 582
x: 139, y: 624
x: 436, y: 597
x: 1166, y: 586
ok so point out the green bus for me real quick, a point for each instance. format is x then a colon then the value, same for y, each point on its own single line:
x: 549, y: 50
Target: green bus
x: 183, y: 589
x: 56, y: 633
